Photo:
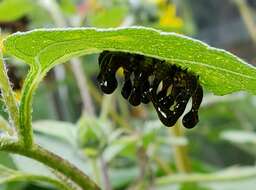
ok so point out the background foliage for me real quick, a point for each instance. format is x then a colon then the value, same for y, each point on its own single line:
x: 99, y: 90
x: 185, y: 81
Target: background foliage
x: 123, y: 147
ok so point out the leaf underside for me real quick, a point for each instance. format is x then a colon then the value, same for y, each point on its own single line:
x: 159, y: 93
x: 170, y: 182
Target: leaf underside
x: 219, y: 71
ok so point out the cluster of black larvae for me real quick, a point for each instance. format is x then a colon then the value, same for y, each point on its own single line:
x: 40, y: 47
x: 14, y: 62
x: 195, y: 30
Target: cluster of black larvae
x: 147, y: 79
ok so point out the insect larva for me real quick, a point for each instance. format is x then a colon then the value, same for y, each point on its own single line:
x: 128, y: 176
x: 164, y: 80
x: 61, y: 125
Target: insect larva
x: 143, y: 76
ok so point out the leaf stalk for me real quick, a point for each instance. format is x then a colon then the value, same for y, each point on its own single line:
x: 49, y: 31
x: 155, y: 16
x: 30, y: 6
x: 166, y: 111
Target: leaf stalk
x: 50, y: 159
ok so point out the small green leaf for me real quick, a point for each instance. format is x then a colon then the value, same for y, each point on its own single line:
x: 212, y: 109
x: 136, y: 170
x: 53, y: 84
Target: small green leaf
x: 121, y: 177
x: 240, y: 137
x: 219, y: 71
x: 11, y: 10
x: 58, y: 129
x: 91, y: 135
x: 245, y: 140
x: 9, y: 175
x: 230, y: 174
x: 125, y: 145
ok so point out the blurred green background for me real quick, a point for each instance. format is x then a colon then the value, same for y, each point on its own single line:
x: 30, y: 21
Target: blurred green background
x: 124, y: 147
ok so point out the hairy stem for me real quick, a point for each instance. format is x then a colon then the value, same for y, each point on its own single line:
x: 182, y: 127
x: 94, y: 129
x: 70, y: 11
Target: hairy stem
x: 53, y: 161
x: 8, y: 95
x: 27, y: 146
x: 30, y: 85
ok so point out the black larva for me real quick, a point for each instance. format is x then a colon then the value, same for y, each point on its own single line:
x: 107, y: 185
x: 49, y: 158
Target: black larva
x: 147, y: 79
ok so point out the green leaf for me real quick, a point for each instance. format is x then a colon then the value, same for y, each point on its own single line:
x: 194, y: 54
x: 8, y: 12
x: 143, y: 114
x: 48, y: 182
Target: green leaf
x: 92, y: 134
x: 192, y: 186
x: 219, y: 71
x: 11, y: 10
x: 125, y: 146
x: 245, y: 140
x: 239, y: 136
x: 9, y: 175
x: 58, y: 129
x: 6, y: 160
x: 121, y: 177
x: 231, y: 174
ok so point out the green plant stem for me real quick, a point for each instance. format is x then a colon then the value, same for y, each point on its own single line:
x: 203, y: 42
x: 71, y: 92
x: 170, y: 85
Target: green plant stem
x: 105, y: 108
x: 163, y: 165
x: 29, y: 149
x: 180, y: 151
x: 105, y: 173
x: 26, y: 145
x: 95, y: 170
x: 8, y: 95
x: 25, y: 128
x: 214, y: 177
x: 53, y: 161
